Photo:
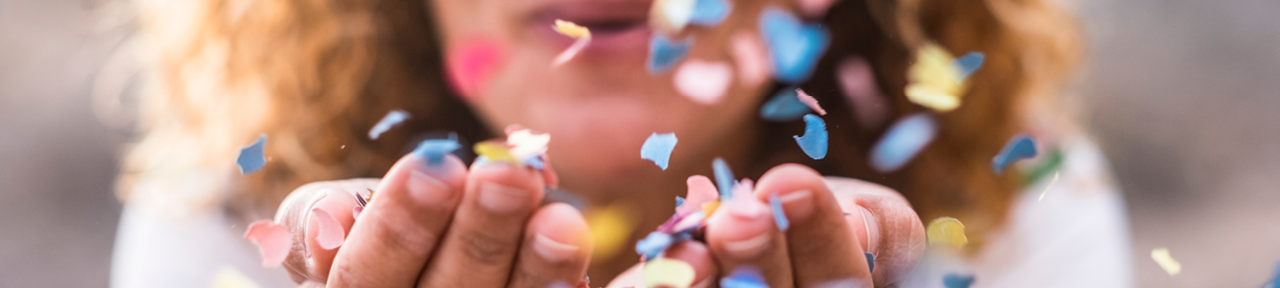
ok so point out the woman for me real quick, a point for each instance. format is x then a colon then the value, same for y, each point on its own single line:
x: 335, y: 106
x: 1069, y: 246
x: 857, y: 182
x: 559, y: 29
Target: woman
x: 315, y: 75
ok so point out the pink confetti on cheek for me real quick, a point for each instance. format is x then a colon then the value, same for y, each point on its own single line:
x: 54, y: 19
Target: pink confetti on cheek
x: 704, y: 82
x: 701, y: 190
x: 810, y: 101
x: 273, y: 241
x: 331, y: 234
x: 471, y: 63
x: 858, y: 82
x: 751, y: 58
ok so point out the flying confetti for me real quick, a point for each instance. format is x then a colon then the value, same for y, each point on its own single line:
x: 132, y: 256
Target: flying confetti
x: 935, y: 80
x: 658, y: 148
x: 750, y: 58
x: 947, y: 230
x: 331, y: 234
x: 273, y: 241
x: 703, y: 82
x: 953, y: 280
x: 433, y: 151
x: 251, y: 157
x: 724, y: 178
x: 858, y: 83
x: 229, y: 277
x: 902, y: 142
x: 653, y: 244
x: 581, y: 34
x: 779, y: 217
x: 671, y: 15
x: 744, y: 277
x: 667, y: 272
x: 794, y: 47
x: 784, y: 106
x: 814, y: 141
x: 969, y: 63
x: 709, y: 12
x: 664, y: 53
x: 810, y: 101
x: 610, y: 227
x: 392, y: 119
x: 1166, y: 262
x: 1019, y: 147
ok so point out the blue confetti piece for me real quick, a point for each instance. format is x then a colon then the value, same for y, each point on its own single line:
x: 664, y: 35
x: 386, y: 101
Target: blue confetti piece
x: 392, y: 119
x: 902, y: 142
x: 535, y: 162
x: 653, y: 244
x: 251, y: 158
x: 679, y: 201
x: 709, y: 12
x: 665, y: 53
x: 1019, y: 147
x: 658, y: 148
x: 969, y: 63
x: 779, y: 217
x: 814, y: 141
x: 434, y: 150
x: 744, y: 277
x: 871, y: 261
x: 724, y: 178
x: 794, y: 47
x: 783, y: 107
x: 953, y: 280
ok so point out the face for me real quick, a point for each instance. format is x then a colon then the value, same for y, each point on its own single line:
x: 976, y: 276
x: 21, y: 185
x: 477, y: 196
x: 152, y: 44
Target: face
x: 600, y: 106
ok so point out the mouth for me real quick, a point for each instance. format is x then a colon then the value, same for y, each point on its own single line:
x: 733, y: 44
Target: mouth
x: 615, y: 26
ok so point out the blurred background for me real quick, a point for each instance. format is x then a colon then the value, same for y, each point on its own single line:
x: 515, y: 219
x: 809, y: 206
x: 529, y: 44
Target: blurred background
x: 1183, y: 96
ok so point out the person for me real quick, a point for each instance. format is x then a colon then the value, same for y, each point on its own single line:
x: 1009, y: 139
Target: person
x: 315, y: 76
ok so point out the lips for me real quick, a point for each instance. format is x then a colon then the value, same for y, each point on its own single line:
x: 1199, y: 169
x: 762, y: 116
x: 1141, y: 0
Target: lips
x: 615, y: 26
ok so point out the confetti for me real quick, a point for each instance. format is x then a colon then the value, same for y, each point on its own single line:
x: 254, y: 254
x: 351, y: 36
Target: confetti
x: 331, y: 234
x: 710, y: 207
x: 273, y: 241
x: 902, y: 142
x: 433, y: 151
x: 743, y: 277
x: 969, y: 63
x: 794, y: 47
x: 871, y: 261
x: 810, y: 101
x: 1166, y: 262
x: 1019, y: 147
x: 779, y: 217
x: 471, y: 64
x: 229, y: 277
x: 610, y: 227
x: 709, y: 12
x: 701, y: 191
x: 1046, y: 187
x: 750, y: 58
x: 724, y: 178
x: 392, y: 119
x: 667, y: 272
x: 251, y: 157
x: 664, y: 53
x: 947, y: 230
x: 671, y: 15
x: 679, y: 202
x: 658, y: 148
x: 582, y: 34
x: 953, y: 280
x: 858, y: 83
x: 815, y: 8
x: 784, y: 106
x: 935, y: 79
x: 704, y: 82
x: 814, y: 141
x: 653, y: 244
x: 524, y: 143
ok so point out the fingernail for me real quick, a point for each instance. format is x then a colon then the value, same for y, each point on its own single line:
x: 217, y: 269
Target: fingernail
x: 553, y: 251
x: 500, y: 198
x: 747, y: 249
x: 428, y: 189
x: 705, y: 283
x: 873, y: 230
x: 798, y: 204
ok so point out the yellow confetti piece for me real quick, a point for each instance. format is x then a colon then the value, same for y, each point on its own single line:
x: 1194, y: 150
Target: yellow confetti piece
x: 1162, y: 257
x: 669, y: 272
x: 571, y: 29
x: 947, y: 230
x: 495, y: 152
x: 609, y: 230
x: 935, y: 81
x: 228, y: 277
x: 710, y: 207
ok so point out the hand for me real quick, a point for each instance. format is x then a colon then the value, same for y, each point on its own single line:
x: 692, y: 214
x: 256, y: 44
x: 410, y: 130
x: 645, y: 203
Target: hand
x: 438, y: 226
x: 833, y: 221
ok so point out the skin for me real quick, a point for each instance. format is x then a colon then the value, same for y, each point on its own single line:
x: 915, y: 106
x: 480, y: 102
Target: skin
x: 437, y: 226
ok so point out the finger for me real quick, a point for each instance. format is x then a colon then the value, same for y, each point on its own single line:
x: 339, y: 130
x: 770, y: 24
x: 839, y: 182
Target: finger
x: 886, y: 225
x: 742, y: 234
x: 401, y: 226
x: 480, y: 247
x: 823, y: 249
x: 310, y: 262
x: 556, y: 249
x: 695, y: 253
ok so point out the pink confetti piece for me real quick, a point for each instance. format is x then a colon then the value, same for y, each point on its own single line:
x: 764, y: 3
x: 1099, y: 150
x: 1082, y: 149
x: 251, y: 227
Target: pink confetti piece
x: 810, y: 101
x: 858, y: 83
x: 815, y: 8
x: 751, y: 58
x: 273, y: 241
x: 572, y: 51
x: 701, y: 190
x: 471, y: 63
x: 703, y: 82
x: 331, y: 234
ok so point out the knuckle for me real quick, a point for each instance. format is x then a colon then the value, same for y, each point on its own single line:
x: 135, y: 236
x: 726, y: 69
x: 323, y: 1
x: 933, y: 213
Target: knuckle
x: 487, y: 249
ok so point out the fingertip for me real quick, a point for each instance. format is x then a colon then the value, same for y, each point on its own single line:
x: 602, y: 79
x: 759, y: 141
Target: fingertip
x: 789, y: 177
x: 560, y: 233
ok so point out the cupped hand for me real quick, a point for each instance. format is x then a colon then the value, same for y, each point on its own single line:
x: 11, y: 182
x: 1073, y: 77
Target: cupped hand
x: 436, y: 225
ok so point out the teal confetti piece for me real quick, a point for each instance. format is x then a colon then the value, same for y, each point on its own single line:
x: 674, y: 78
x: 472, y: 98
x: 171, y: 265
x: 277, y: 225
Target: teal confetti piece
x: 252, y: 158
x: 658, y: 148
x: 954, y: 280
x: 664, y: 53
x: 653, y: 244
x: 814, y: 141
x: 783, y: 107
x: 1019, y: 147
x: 434, y: 150
x: 744, y: 277
x: 902, y: 142
x: 709, y: 12
x: 969, y: 63
x: 391, y: 120
x: 779, y: 217
x: 724, y: 178
x: 794, y: 47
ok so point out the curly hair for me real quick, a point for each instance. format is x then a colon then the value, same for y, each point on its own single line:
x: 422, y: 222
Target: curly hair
x: 315, y: 74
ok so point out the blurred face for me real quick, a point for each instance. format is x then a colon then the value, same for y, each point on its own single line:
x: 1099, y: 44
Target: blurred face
x: 600, y: 106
